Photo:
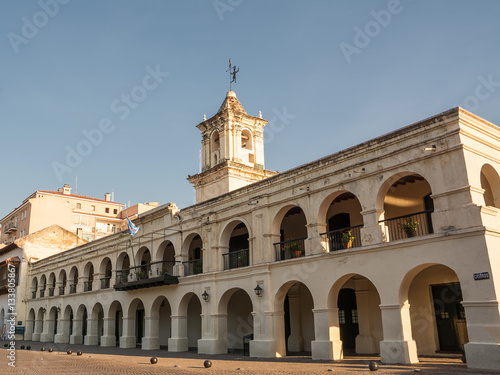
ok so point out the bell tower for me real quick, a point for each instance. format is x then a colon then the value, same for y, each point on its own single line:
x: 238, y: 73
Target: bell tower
x: 232, y: 151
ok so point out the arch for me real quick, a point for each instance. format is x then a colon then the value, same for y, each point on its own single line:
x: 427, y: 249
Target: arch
x: 123, y: 261
x: 30, y: 324
x: 406, y: 205
x: 67, y: 315
x: 73, y: 279
x: 96, y: 326
x: 166, y: 247
x: 88, y: 273
x: 106, y: 272
x: 136, y: 311
x: 62, y: 281
x: 290, y: 224
x: 340, y: 214
x: 161, y: 322
x: 238, y: 306
x: 214, y: 148
x: 52, y: 284
x: 434, y: 295
x: 235, y: 237
x: 192, y: 248
x: 490, y: 183
x: 43, y: 285
x: 115, y: 328
x: 354, y: 301
x: 229, y: 228
x: 246, y: 139
x: 141, y: 254
x: 34, y: 287
x: 294, y: 328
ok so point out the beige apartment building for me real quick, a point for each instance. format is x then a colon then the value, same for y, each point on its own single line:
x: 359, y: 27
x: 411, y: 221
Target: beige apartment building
x: 90, y: 218
x: 389, y: 247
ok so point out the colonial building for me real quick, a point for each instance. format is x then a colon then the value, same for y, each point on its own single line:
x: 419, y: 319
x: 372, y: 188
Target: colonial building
x: 90, y: 218
x: 387, y: 247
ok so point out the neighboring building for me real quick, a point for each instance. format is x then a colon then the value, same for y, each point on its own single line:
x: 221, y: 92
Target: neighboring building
x: 90, y: 218
x: 386, y: 247
x: 16, y: 256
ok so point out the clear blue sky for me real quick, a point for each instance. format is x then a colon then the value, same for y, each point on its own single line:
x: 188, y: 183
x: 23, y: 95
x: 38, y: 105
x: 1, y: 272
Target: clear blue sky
x: 307, y: 59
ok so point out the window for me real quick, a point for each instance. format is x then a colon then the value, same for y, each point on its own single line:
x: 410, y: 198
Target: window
x: 115, y: 211
x: 107, y: 210
x: 78, y: 206
x: 92, y: 208
x: 341, y: 317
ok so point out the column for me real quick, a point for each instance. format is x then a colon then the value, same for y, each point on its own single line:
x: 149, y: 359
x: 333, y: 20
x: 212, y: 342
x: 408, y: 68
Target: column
x: 108, y: 338
x: 269, y: 240
x: 483, y: 327
x: 91, y: 338
x: 62, y: 335
x: 48, y: 331
x: 315, y: 243
x: 327, y: 344
x: 178, y: 342
x: 77, y: 336
x: 28, y: 335
x: 96, y: 281
x: 295, y: 341
x: 128, y: 340
x: 214, y: 334
x: 151, y: 339
x: 372, y: 232
x: 365, y: 344
x: 398, y: 346
x: 38, y: 329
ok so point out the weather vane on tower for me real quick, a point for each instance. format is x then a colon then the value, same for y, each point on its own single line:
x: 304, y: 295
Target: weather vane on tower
x: 232, y: 74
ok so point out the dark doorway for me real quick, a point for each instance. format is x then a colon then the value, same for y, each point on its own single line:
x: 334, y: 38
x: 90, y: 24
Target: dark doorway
x: 117, y: 327
x: 450, y: 316
x: 139, y: 319
x: 339, y: 221
x: 286, y: 308
x: 348, y: 319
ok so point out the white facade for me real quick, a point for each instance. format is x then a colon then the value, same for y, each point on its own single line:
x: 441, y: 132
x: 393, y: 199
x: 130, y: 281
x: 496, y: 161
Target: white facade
x: 422, y: 204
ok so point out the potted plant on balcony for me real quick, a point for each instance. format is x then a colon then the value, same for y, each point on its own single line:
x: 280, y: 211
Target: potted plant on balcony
x: 198, y: 267
x: 140, y: 275
x: 409, y: 226
x: 347, y: 239
x: 242, y: 258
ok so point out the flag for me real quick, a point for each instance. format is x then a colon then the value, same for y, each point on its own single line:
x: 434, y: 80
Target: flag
x: 132, y: 229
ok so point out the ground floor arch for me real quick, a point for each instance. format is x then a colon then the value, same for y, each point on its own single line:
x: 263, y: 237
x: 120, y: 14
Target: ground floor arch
x: 294, y: 321
x: 438, y: 320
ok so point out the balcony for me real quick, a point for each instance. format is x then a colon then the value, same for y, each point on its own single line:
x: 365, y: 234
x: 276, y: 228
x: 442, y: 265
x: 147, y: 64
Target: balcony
x: 61, y: 290
x: 72, y: 289
x: 236, y: 259
x: 51, y: 292
x: 193, y: 267
x: 146, y: 276
x: 407, y: 226
x: 290, y: 249
x: 105, y: 282
x: 340, y: 239
x: 33, y: 294
x: 42, y: 293
x: 10, y: 227
x: 87, y: 286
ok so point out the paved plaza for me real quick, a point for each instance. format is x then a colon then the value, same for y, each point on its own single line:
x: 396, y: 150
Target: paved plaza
x: 98, y: 360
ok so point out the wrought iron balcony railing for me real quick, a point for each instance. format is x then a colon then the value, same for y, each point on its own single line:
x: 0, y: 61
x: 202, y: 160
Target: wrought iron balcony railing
x: 87, y: 286
x: 407, y: 226
x: 146, y: 275
x: 193, y: 267
x: 344, y: 238
x: 235, y: 259
x: 105, y: 282
x: 72, y: 289
x: 290, y: 249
